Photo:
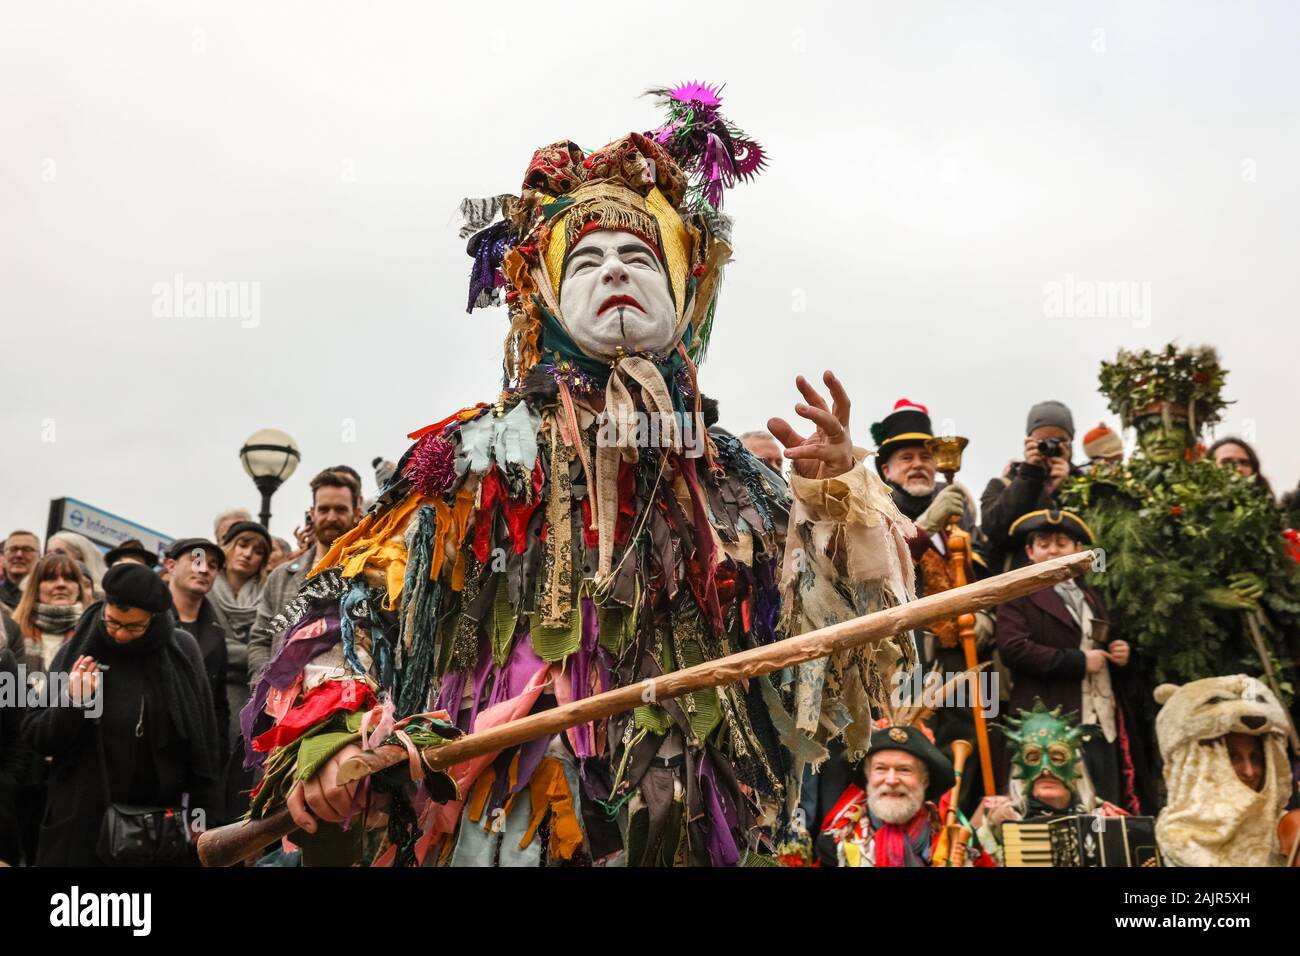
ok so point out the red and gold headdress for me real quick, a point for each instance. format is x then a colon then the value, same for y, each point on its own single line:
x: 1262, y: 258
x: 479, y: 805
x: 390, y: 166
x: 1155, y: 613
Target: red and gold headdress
x: 664, y: 186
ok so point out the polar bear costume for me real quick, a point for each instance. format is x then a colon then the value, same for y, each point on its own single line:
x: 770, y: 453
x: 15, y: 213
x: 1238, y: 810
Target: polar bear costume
x: 1211, y: 817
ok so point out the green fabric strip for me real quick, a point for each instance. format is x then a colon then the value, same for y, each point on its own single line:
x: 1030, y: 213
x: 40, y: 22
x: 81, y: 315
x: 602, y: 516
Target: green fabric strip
x: 557, y: 643
x: 318, y: 746
x: 653, y: 718
x: 617, y: 625
x: 502, y: 623
x: 701, y: 707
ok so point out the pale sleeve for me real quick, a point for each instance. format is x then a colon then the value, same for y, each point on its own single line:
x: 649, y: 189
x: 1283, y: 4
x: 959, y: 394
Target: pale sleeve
x: 845, y: 555
x: 856, y: 531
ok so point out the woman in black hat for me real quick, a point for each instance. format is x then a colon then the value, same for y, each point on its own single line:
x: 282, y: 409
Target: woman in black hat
x: 144, y: 737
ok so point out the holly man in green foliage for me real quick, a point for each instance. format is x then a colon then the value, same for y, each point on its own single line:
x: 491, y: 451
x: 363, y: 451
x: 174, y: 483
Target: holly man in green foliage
x: 1195, y: 561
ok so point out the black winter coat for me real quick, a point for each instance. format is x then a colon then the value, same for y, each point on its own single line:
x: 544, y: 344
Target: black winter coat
x: 1002, y: 503
x: 211, y: 632
x: 140, y: 770
x: 15, y: 757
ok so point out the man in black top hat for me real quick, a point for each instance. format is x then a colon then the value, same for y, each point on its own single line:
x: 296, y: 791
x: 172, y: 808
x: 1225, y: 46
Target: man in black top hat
x: 906, y: 462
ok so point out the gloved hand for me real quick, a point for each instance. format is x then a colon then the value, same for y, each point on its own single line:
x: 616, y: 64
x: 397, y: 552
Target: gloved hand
x: 1248, y: 586
x: 948, y: 503
x: 1227, y: 599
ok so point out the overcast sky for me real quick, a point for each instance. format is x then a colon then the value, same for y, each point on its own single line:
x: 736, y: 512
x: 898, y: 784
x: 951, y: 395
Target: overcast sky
x: 938, y: 173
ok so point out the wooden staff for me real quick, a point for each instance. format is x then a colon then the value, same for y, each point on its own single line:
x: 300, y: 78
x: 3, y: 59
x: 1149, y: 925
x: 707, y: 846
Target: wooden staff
x: 224, y: 846
x: 959, y: 546
x: 1266, y: 658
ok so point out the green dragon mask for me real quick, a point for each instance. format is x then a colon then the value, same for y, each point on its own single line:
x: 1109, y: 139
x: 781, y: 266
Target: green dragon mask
x: 1045, y: 742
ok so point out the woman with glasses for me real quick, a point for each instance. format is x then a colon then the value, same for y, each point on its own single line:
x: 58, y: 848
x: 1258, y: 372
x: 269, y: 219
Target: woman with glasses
x: 134, y: 724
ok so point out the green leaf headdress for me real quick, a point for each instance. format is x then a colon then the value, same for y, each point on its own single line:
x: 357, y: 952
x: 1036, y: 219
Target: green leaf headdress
x: 1146, y: 382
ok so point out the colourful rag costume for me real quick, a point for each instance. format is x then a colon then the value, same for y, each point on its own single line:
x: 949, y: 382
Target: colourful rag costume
x: 542, y: 548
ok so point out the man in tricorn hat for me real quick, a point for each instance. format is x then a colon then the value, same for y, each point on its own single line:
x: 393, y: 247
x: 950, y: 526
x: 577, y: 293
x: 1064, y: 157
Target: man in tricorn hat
x: 1059, y: 648
x: 894, y: 819
x: 585, y: 531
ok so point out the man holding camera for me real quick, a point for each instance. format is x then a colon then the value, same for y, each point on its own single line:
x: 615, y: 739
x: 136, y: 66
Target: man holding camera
x: 1028, y: 485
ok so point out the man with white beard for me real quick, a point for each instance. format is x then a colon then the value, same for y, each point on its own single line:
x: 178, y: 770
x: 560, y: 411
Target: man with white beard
x: 894, y: 821
x: 904, y: 459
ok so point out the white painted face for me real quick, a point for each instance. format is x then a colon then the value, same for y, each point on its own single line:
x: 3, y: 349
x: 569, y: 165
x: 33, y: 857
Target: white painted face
x: 615, y: 293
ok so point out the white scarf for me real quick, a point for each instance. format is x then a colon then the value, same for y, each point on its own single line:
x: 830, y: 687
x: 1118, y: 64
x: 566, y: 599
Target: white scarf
x: 1098, y: 696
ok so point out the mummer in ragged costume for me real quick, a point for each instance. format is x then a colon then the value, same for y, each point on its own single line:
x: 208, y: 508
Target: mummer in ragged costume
x: 584, y: 531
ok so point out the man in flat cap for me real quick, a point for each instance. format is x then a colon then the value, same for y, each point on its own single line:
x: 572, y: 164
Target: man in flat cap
x: 192, y: 566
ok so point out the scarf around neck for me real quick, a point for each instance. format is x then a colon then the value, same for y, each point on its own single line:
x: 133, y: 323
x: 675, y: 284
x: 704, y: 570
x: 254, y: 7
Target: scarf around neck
x: 56, y: 618
x: 903, y: 844
x: 912, y: 506
x: 240, y: 610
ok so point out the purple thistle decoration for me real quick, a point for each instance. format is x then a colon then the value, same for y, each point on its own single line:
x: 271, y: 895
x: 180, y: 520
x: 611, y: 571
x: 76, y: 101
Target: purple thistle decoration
x: 579, y: 382
x: 432, y: 467
x: 712, y: 152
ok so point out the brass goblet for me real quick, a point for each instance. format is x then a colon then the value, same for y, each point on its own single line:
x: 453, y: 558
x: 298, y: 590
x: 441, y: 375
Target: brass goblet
x: 947, y: 451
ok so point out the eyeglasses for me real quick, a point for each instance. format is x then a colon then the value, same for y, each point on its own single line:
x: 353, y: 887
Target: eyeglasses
x: 135, y: 630
x: 16, y: 550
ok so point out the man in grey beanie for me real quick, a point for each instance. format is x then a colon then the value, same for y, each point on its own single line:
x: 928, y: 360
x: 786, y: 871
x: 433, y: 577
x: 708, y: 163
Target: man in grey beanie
x: 1028, y: 485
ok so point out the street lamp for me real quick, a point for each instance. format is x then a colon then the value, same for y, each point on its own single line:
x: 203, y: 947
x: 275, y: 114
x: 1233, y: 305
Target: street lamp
x: 270, y: 457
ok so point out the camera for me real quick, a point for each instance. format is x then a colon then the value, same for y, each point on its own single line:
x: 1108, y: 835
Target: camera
x: 1051, y: 447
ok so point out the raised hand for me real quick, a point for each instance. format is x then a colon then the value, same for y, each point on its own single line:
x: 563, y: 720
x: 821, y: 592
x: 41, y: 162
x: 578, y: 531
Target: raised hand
x: 828, y: 451
x: 83, y: 681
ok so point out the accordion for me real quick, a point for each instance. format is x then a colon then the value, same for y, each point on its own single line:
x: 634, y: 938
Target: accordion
x: 1081, y: 840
